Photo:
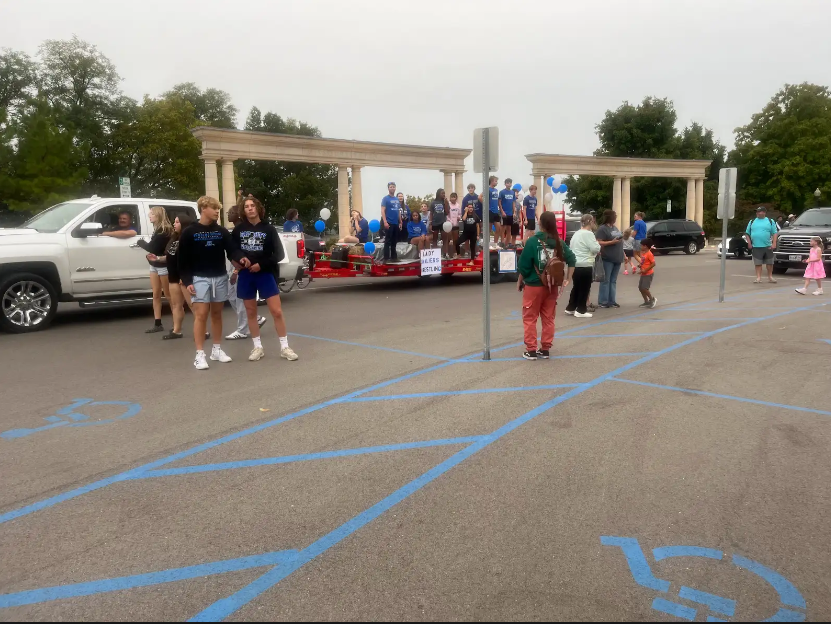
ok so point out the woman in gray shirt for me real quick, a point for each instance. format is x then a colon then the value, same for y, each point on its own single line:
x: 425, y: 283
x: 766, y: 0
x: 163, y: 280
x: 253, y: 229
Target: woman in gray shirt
x: 611, y: 251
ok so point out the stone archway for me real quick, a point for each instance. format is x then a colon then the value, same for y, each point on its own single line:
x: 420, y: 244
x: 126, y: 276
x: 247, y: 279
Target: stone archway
x: 224, y: 146
x: 623, y: 170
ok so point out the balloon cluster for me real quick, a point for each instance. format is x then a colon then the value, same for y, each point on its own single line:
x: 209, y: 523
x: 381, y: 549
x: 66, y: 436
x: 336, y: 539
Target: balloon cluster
x: 556, y: 185
x: 320, y: 224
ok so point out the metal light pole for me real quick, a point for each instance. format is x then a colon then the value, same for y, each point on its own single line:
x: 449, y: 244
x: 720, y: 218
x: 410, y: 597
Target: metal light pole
x: 486, y: 246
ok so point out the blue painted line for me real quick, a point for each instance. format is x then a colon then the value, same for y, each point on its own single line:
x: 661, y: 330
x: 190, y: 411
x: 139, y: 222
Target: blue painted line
x: 687, y: 320
x: 558, y: 357
x: 674, y: 609
x: 630, y: 335
x: 710, y: 618
x: 666, y: 552
x: 825, y: 340
x: 289, y: 459
x: 788, y: 594
x: 636, y: 561
x: 786, y: 615
x: 144, y: 580
x: 421, y: 395
x: 725, y: 606
x: 368, y: 346
x: 714, y: 395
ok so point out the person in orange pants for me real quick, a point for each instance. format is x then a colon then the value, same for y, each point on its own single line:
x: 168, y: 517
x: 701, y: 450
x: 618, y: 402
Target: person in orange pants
x: 538, y: 302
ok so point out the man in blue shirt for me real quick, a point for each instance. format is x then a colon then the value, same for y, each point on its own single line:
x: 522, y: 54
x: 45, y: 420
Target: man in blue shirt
x: 529, y: 212
x: 494, y: 219
x: 473, y: 198
x: 390, y: 215
x: 507, y: 197
x: 761, y: 235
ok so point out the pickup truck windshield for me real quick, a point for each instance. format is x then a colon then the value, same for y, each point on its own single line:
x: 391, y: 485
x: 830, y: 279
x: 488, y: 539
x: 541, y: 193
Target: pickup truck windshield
x: 815, y: 218
x: 53, y: 219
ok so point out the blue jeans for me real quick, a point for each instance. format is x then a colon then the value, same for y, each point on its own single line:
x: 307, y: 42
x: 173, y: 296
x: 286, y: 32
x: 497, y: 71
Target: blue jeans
x: 608, y: 287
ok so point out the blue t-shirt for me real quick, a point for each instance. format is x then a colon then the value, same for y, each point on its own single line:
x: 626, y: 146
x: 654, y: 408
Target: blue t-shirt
x: 405, y: 212
x: 506, y: 201
x: 494, y: 200
x: 640, y: 230
x: 761, y: 232
x: 293, y: 226
x: 530, y: 204
x: 364, y: 233
x: 392, y: 208
x: 472, y: 198
x: 416, y: 229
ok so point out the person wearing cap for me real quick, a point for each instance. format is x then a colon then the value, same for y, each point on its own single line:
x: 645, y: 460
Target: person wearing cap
x: 791, y: 219
x: 391, y: 217
x: 761, y: 234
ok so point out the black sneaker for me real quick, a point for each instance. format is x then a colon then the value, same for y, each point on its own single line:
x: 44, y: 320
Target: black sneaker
x: 615, y: 305
x: 528, y: 355
x: 543, y: 354
x: 154, y: 330
x: 646, y: 304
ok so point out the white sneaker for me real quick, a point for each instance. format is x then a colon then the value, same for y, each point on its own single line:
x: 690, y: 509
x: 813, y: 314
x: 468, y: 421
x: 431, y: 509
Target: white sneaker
x: 201, y: 362
x: 261, y: 320
x: 818, y: 292
x: 256, y: 354
x: 218, y: 355
x: 569, y: 312
x: 800, y: 291
x: 289, y: 354
x: 237, y: 335
x: 586, y: 315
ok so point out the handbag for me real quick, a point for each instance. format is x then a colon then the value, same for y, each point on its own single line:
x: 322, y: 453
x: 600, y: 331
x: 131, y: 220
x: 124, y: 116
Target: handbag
x: 598, y: 271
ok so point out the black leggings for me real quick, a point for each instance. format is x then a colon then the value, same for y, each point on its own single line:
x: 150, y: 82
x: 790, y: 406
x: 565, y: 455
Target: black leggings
x: 580, y: 290
x: 467, y: 235
x: 390, y: 238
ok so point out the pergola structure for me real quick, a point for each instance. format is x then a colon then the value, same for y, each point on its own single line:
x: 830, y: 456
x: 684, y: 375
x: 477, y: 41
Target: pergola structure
x: 623, y: 170
x: 224, y: 146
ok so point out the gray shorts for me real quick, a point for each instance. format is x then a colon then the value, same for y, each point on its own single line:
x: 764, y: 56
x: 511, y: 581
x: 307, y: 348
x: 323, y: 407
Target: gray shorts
x: 645, y: 282
x: 762, y: 255
x: 210, y: 289
x: 160, y: 271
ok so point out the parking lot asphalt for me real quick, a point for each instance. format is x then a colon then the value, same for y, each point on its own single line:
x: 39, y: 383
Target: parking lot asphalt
x: 665, y: 464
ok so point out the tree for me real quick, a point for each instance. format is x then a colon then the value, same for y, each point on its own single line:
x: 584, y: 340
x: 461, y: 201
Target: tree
x: 784, y: 153
x: 212, y: 107
x: 284, y: 185
x: 414, y: 202
x: 18, y: 79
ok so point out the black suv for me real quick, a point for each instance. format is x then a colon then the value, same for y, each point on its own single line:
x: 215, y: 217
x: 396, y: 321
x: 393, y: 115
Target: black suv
x: 794, y: 242
x: 676, y: 235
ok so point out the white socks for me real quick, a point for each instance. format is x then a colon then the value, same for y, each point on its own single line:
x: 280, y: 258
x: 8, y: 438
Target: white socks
x: 258, y: 343
x: 216, y: 348
x: 284, y: 342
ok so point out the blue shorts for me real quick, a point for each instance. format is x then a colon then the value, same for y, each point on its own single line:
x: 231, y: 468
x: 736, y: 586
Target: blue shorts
x: 249, y: 284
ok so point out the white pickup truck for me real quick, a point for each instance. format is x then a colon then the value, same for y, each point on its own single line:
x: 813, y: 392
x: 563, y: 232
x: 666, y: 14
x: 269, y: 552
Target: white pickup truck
x: 60, y: 255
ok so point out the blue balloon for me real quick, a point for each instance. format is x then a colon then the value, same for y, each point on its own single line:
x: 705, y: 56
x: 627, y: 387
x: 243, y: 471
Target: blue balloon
x: 563, y: 188
x: 517, y: 187
x: 555, y: 189
x: 550, y: 181
x: 320, y: 225
x: 369, y: 247
x: 374, y: 225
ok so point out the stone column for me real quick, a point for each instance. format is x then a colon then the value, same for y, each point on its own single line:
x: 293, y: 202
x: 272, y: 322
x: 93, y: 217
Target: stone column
x: 357, y: 190
x: 625, y: 218
x: 690, y: 198
x: 211, y: 179
x: 616, y: 192
x: 343, y: 201
x: 542, y: 191
x: 699, y: 202
x: 459, y: 180
x: 229, y: 196
x: 448, y: 182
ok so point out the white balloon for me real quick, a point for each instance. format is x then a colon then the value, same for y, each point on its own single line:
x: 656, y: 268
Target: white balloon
x: 325, y: 213
x: 447, y: 226
x: 549, y: 197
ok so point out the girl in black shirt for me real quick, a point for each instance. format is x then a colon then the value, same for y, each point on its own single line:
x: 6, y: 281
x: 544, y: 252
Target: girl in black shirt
x: 162, y: 229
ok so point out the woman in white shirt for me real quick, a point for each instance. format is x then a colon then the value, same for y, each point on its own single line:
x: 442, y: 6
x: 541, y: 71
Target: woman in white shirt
x: 585, y: 248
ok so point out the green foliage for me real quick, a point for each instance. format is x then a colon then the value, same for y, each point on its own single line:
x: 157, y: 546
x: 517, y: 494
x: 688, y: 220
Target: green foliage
x: 212, y: 107
x: 414, y: 201
x: 18, y: 77
x: 784, y: 153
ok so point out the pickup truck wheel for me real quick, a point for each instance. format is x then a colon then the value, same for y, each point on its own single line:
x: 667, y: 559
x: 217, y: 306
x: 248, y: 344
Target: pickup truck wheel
x: 28, y: 303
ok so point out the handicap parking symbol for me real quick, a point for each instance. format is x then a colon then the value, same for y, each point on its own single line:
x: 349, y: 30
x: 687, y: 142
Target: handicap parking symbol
x: 69, y: 417
x: 792, y: 605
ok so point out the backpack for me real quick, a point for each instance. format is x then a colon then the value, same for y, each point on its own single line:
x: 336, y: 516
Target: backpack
x: 553, y: 272
x: 750, y: 226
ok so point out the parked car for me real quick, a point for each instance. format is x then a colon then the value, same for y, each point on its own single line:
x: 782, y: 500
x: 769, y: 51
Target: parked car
x: 737, y: 247
x: 61, y: 255
x: 572, y: 225
x: 794, y: 243
x: 676, y: 235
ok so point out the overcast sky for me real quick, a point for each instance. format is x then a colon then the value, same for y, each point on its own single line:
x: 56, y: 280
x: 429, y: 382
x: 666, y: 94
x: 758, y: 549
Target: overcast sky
x: 430, y: 71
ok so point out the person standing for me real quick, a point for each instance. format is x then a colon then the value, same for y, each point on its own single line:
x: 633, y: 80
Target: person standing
x: 611, y: 251
x: 628, y: 251
x: 203, y: 248
x: 647, y: 273
x: 390, y: 215
x: 507, y: 198
x: 291, y: 224
x: 262, y: 251
x: 425, y: 219
x: 585, y: 248
x: 639, y: 229
x: 529, y: 212
x: 762, y: 234
x: 405, y: 218
x: 439, y: 210
x: 815, y: 269
x: 538, y: 301
x: 162, y: 231
x: 242, y: 332
x: 470, y: 232
x: 473, y: 198
x: 417, y: 232
x: 494, y: 218
x: 454, y: 213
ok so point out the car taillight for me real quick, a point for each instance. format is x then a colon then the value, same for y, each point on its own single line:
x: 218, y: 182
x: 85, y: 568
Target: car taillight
x: 703, y: 233
x: 301, y: 248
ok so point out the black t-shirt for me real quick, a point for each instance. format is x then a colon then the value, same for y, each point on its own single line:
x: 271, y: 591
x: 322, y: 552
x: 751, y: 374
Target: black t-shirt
x: 438, y: 214
x: 202, y: 251
x: 259, y: 243
x: 469, y: 222
x: 172, y: 260
x: 156, y: 246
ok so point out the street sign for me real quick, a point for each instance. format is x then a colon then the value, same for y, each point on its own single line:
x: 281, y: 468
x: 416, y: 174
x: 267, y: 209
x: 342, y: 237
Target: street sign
x: 669, y: 205
x: 124, y: 187
x: 727, y: 192
x: 479, y: 150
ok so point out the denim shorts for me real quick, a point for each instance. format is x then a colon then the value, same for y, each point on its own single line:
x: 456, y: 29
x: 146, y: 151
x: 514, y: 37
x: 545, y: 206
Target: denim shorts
x: 210, y: 289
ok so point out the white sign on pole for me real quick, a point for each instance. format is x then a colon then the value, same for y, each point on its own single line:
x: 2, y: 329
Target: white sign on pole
x: 669, y: 205
x: 124, y: 187
x: 431, y: 261
x: 727, y: 192
x: 507, y: 262
x: 478, y: 150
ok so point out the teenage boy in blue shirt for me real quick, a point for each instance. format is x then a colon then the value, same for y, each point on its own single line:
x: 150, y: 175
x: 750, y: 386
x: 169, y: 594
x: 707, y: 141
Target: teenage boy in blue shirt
x: 390, y: 215
x: 473, y: 198
x: 507, y: 198
x: 494, y: 220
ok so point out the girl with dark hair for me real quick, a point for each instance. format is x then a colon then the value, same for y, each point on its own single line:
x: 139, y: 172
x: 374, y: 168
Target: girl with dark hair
x: 439, y: 211
x: 611, y: 253
x: 538, y: 302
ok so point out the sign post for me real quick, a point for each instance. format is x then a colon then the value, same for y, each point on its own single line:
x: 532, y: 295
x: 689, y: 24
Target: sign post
x: 485, y: 160
x: 726, y: 211
x: 669, y: 205
x: 124, y: 187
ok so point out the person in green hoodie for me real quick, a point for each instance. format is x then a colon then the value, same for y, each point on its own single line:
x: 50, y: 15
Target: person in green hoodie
x: 537, y: 300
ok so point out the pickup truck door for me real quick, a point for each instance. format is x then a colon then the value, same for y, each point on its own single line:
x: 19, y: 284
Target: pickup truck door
x: 106, y: 265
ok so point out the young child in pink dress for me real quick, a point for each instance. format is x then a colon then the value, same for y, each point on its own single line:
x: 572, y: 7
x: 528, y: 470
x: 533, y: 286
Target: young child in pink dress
x: 816, y: 269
